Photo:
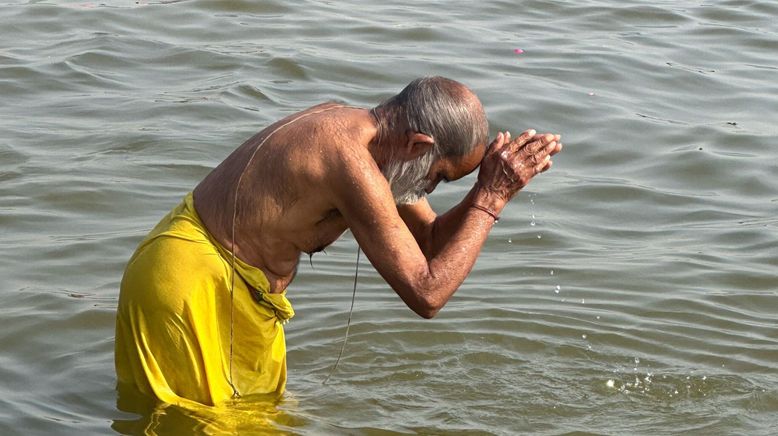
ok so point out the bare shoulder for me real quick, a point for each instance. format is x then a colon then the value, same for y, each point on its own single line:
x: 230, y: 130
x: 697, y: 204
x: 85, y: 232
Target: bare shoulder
x: 337, y: 148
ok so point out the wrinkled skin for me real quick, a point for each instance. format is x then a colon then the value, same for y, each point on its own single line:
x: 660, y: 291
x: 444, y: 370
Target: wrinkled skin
x: 321, y: 174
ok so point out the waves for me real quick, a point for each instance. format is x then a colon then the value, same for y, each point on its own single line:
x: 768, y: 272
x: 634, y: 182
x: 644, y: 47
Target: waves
x: 642, y: 300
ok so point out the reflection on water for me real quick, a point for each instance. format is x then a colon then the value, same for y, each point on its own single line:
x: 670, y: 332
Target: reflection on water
x: 630, y: 290
x: 248, y: 415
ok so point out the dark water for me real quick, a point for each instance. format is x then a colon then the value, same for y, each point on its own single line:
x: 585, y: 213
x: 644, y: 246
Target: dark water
x: 630, y: 290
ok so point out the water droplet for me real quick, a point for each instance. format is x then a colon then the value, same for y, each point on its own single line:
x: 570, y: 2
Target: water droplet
x: 552, y: 272
x: 583, y: 336
x: 532, y: 223
x: 583, y: 301
x: 598, y: 316
x: 610, y: 383
x: 637, y: 361
x: 510, y: 241
x: 557, y: 289
x: 539, y: 236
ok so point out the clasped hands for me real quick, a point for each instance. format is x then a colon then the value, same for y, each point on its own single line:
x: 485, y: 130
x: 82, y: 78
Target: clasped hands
x: 509, y: 164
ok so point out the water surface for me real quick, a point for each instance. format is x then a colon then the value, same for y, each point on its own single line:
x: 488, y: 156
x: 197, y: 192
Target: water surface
x: 643, y: 300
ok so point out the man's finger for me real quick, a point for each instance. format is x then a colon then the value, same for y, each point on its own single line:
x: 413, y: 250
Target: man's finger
x: 543, y: 167
x: 498, y: 142
x: 558, y: 148
x: 538, y: 144
x: 545, y: 151
x: 557, y: 137
x: 522, y: 139
x: 509, y: 144
x: 551, y: 148
x: 543, y: 154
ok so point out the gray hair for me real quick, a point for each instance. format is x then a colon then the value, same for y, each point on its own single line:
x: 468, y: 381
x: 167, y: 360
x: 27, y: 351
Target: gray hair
x: 407, y: 180
x: 444, y: 109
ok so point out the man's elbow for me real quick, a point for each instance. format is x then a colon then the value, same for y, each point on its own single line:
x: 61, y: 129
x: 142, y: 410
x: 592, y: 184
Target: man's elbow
x: 428, y: 313
x: 424, y: 299
x: 427, y: 309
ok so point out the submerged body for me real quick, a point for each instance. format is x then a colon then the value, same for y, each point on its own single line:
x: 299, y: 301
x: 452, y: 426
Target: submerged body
x: 176, y: 320
x: 299, y: 184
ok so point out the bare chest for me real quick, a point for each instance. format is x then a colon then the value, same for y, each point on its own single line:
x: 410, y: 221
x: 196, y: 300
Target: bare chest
x: 326, y: 230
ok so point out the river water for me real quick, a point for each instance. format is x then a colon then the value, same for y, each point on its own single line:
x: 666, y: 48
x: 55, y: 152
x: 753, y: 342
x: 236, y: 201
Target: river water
x: 630, y: 290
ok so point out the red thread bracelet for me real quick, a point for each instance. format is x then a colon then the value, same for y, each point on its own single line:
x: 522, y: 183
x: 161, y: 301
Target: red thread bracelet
x: 487, y: 210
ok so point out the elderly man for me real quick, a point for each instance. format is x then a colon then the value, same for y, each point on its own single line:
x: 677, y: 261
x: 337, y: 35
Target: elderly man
x: 203, y: 299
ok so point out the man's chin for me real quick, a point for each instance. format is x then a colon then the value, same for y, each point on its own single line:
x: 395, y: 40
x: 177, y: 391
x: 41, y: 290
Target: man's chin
x: 410, y: 198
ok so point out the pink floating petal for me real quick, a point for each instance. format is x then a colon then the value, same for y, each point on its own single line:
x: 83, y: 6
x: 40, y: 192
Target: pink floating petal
x: 518, y: 51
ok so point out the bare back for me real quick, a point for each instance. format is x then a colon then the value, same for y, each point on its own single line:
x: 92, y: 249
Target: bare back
x: 282, y: 209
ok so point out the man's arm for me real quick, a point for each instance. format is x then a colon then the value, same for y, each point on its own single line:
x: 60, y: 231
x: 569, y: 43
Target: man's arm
x: 362, y: 195
x: 430, y: 230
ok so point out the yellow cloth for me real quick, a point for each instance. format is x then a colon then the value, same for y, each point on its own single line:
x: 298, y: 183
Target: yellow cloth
x: 173, y: 319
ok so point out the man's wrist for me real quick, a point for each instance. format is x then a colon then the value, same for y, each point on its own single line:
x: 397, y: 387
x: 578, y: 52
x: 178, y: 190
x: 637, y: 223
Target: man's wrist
x: 486, y: 210
x: 487, y: 199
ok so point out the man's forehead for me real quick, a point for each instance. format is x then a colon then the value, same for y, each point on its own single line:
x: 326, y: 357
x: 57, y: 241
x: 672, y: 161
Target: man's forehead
x: 476, y: 156
x: 468, y: 163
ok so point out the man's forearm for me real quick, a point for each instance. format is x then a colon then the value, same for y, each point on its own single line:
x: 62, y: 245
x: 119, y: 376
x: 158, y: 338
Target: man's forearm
x: 447, y: 224
x: 455, y: 256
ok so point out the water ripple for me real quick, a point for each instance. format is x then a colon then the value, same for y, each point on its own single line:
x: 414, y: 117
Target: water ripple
x: 642, y: 299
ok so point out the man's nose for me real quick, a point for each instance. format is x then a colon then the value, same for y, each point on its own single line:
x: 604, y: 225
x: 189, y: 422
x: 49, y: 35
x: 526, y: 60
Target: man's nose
x: 431, y: 186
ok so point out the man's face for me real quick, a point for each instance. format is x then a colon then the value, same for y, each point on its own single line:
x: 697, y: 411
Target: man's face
x: 453, y: 168
x: 414, y: 179
x: 408, y: 179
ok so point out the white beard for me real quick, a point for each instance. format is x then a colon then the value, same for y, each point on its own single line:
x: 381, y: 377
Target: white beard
x: 408, y: 180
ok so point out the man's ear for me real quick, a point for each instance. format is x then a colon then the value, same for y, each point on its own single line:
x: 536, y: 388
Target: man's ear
x: 418, y: 144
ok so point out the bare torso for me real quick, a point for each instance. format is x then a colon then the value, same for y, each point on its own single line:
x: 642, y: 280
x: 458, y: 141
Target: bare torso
x: 281, y: 209
x: 304, y: 180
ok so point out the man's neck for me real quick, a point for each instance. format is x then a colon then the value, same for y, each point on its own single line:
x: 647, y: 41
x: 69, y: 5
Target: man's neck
x: 386, y: 137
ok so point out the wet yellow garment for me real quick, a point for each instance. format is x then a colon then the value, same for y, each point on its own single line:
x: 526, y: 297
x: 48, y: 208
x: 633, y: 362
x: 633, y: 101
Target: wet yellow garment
x: 173, y: 319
